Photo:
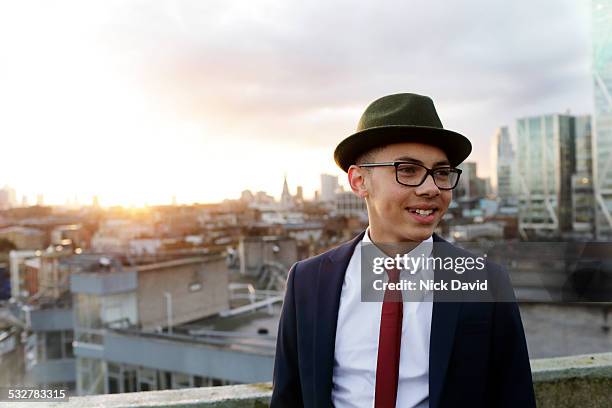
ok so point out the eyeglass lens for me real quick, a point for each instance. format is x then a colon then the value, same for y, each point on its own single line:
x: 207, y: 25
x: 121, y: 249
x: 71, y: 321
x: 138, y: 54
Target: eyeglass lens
x: 414, y: 175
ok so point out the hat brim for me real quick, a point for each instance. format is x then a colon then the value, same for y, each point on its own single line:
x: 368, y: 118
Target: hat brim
x: 456, y: 146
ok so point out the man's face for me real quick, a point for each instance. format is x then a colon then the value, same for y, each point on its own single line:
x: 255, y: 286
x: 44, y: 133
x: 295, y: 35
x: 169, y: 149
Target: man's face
x: 391, y: 206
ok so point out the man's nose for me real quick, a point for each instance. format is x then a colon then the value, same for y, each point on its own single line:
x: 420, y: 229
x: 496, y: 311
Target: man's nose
x: 428, y: 188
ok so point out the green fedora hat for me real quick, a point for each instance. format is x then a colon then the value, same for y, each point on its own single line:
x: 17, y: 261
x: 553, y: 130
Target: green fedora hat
x: 399, y: 118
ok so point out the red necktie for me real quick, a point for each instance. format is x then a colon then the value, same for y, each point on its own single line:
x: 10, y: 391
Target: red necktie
x: 389, y: 343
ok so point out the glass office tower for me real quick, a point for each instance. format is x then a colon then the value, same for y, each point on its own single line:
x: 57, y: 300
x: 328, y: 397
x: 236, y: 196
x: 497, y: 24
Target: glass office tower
x: 602, y: 120
x: 505, y: 167
x: 583, y: 199
x: 545, y: 164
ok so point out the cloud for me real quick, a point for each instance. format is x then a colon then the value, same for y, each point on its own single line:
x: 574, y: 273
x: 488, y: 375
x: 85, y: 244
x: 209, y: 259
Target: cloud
x: 301, y: 72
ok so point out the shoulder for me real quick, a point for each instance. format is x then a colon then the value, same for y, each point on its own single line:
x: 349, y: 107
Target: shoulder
x: 495, y: 273
x: 456, y: 251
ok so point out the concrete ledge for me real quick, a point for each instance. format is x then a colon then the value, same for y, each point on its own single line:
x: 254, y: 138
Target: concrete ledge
x: 577, y: 381
x: 558, y: 368
x: 237, y: 396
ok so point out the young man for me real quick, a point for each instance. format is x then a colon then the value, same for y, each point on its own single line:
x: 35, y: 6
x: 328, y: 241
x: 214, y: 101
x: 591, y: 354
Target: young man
x: 334, y: 349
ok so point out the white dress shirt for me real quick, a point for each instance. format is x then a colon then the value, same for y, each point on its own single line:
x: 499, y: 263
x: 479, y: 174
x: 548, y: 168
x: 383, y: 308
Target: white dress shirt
x: 356, y: 349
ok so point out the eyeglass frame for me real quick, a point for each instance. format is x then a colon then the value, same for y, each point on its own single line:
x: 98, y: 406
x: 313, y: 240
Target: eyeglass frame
x: 428, y: 172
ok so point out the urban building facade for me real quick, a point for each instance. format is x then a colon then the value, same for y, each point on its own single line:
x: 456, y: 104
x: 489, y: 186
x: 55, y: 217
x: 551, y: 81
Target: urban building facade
x: 329, y: 185
x: 470, y: 186
x: 348, y: 204
x: 602, y: 120
x: 583, y: 198
x: 8, y: 198
x: 505, y: 167
x: 24, y: 237
x: 545, y: 164
x: 143, y: 300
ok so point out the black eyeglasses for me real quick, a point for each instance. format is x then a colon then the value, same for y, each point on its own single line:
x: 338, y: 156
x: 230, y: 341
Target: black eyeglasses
x: 413, y: 175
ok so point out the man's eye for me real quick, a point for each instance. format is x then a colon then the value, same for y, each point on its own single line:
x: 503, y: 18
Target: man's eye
x: 407, y: 169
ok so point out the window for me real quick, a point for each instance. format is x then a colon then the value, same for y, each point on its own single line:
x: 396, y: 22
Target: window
x: 147, y: 379
x: 114, y: 376
x: 91, y: 372
x: 113, y: 385
x: 129, y: 379
x: 199, y: 381
x: 181, y: 380
x: 67, y: 342
x: 53, y: 344
x: 164, y: 379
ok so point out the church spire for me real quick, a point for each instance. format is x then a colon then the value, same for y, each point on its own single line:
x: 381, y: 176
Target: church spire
x: 286, y: 199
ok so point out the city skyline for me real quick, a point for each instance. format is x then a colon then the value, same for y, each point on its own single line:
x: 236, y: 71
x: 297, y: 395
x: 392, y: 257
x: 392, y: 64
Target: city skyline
x: 329, y: 186
x: 139, y: 102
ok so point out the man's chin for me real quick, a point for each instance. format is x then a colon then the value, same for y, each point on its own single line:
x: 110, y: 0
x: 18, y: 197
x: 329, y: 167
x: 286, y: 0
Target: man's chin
x: 412, y: 234
x: 420, y: 232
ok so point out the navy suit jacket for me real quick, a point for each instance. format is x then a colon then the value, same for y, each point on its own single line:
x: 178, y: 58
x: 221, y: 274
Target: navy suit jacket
x: 477, y: 357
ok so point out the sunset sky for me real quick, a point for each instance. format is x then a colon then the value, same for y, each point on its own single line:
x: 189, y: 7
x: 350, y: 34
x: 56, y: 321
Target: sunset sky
x: 137, y: 101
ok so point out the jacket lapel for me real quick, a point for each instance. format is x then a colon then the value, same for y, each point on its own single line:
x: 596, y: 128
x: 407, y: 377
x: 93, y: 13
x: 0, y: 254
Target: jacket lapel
x: 330, y: 278
x: 443, y: 324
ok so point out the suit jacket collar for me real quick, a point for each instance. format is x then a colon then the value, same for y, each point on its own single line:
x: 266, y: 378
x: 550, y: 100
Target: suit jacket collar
x: 330, y: 278
x: 443, y: 323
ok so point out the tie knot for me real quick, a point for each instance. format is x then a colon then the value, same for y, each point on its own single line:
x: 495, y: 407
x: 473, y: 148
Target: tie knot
x: 393, y: 274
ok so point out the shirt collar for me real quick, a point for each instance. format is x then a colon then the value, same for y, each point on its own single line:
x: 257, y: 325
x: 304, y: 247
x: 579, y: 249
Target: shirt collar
x: 425, y: 247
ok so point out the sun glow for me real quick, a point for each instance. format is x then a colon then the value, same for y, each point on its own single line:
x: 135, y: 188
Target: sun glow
x: 77, y: 123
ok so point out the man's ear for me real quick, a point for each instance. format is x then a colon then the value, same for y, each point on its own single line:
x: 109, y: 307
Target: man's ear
x: 357, y: 180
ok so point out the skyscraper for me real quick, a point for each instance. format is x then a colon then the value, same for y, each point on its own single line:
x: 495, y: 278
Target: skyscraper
x: 583, y: 205
x: 299, y: 194
x: 469, y: 186
x: 545, y: 164
x: 602, y: 120
x: 505, y: 168
x: 8, y: 198
x: 329, y: 185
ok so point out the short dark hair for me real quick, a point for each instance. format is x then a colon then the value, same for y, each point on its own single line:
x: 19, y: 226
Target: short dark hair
x: 368, y: 156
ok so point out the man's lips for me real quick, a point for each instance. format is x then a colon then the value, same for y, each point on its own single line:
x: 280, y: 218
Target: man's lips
x: 425, y: 214
x: 422, y: 207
